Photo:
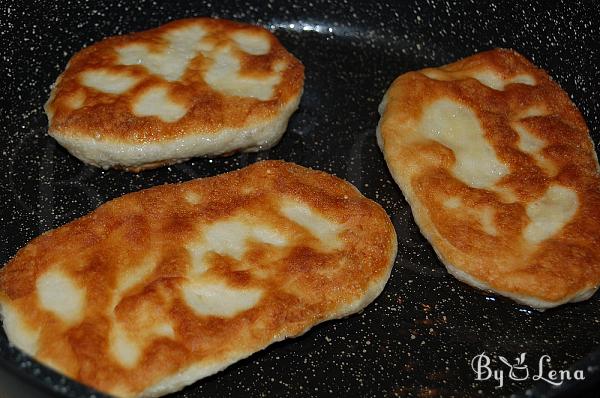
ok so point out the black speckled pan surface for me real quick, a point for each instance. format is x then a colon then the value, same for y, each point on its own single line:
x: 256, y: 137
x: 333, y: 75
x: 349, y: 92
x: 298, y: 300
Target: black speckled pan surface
x: 419, y: 336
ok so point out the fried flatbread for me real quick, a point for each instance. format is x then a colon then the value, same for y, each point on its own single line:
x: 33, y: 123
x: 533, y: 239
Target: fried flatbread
x: 192, y: 87
x: 159, y: 288
x: 499, y: 169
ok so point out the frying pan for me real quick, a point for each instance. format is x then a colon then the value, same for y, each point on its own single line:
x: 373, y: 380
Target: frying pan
x: 419, y: 337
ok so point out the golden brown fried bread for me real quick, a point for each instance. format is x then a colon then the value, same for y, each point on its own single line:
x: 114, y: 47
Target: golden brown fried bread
x: 192, y: 87
x: 159, y: 288
x: 500, y: 172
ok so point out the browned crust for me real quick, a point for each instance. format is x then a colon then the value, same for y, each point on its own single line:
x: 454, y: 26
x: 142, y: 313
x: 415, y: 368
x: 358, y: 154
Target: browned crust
x: 110, y: 117
x: 304, y: 286
x: 558, y: 268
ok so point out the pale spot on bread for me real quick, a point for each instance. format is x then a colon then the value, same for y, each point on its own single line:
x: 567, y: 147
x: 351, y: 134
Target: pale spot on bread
x: 182, y: 46
x: 128, y: 339
x: 108, y: 81
x: 505, y: 194
x: 77, y: 100
x: 21, y: 334
x: 458, y: 128
x: 488, y: 78
x: 126, y: 344
x: 322, y: 228
x: 192, y: 197
x: 486, y: 219
x: 133, y: 276
x: 528, y: 142
x: 523, y: 78
x: 59, y: 294
x: 123, y: 348
x: 156, y: 102
x: 495, y: 81
x: 453, y: 202
x: 533, y: 111
x: 252, y: 43
x: 164, y: 330
x: 224, y: 76
x: 229, y: 238
x: 198, y: 263
x: 533, y: 145
x: 185, y: 44
x: 484, y: 215
x: 550, y: 213
x: 219, y: 299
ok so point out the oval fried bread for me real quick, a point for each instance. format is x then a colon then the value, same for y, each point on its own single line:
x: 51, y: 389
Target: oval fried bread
x: 501, y: 174
x: 159, y: 288
x: 192, y: 87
